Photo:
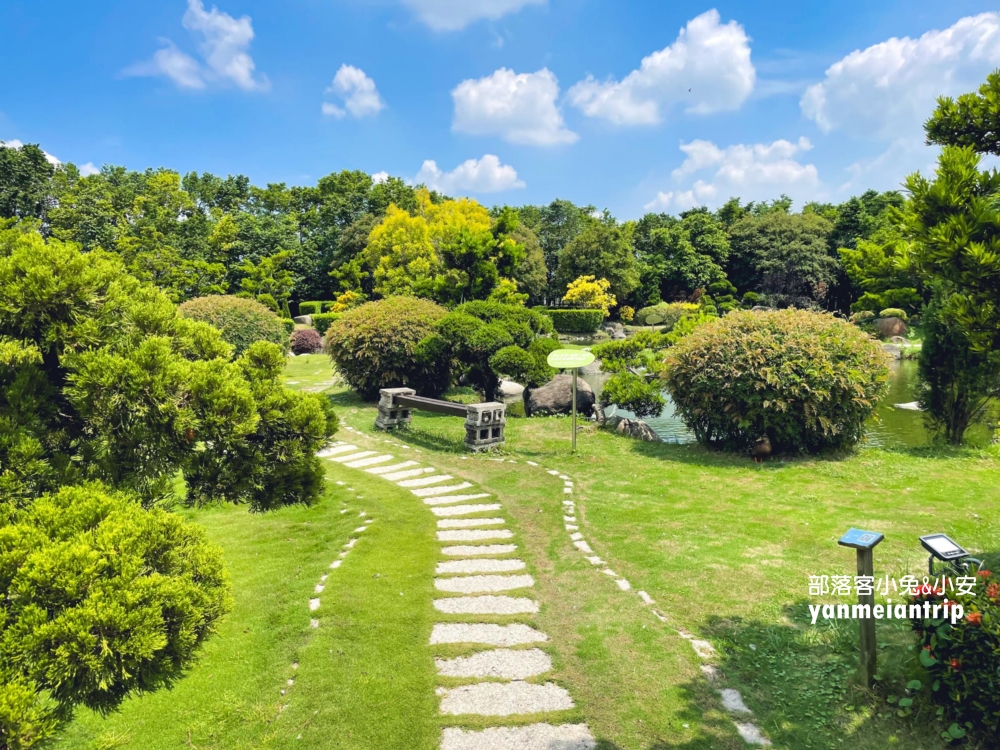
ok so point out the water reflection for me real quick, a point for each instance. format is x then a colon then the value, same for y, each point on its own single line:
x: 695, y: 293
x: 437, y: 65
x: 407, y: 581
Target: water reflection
x: 891, y: 427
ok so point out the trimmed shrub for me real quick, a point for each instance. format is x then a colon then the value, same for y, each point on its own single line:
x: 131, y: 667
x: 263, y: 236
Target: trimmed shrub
x: 963, y: 660
x: 306, y: 341
x: 893, y: 312
x: 626, y: 313
x: 289, y: 325
x: 322, y: 321
x: 806, y: 380
x: 865, y: 316
x: 667, y: 312
x: 576, y: 321
x: 241, y: 321
x: 103, y: 599
x: 310, y: 308
x: 375, y: 346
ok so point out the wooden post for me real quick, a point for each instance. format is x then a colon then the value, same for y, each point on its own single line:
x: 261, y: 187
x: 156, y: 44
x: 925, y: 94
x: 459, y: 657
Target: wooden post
x: 866, y: 625
x: 575, y: 370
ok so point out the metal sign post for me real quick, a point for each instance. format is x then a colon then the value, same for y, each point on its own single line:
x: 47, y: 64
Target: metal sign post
x: 571, y: 359
x: 864, y: 542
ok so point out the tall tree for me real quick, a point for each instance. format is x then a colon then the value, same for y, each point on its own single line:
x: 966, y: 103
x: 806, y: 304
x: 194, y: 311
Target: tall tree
x: 973, y: 120
x: 25, y: 177
x: 602, y: 251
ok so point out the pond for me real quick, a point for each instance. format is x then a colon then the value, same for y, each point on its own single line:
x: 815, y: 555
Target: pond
x: 891, y: 427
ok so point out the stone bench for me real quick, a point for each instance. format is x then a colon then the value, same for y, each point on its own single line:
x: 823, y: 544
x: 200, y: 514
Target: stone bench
x: 484, y: 423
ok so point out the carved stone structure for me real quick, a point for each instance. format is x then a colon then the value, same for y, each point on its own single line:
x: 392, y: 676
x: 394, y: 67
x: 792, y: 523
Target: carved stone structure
x: 484, y: 423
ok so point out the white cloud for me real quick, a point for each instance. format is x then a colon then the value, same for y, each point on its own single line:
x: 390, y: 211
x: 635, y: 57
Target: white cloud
x: 520, y: 108
x: 889, y: 89
x: 358, y: 92
x: 88, y: 169
x: 754, y: 172
x: 486, y: 175
x: 223, y: 47
x: 707, y: 69
x: 379, y: 177
x: 451, y: 15
x: 14, y: 143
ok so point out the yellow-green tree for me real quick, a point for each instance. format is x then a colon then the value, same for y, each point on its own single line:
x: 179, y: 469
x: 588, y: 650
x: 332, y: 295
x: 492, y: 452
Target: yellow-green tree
x: 401, y: 255
x: 591, y: 293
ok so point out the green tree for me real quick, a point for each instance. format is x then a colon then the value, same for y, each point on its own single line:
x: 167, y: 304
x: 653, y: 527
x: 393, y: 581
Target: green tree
x: 556, y: 225
x: 401, y: 255
x: 880, y: 268
x: 269, y: 278
x: 601, y: 251
x: 531, y: 273
x: 25, y: 182
x: 973, y: 120
x: 958, y: 382
x: 783, y: 255
x: 109, y: 383
x: 685, y: 255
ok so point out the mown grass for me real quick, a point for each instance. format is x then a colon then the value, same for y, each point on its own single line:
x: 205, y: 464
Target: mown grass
x: 726, y: 547
x: 364, y: 677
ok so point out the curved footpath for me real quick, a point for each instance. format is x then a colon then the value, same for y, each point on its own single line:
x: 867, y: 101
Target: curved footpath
x: 480, y: 575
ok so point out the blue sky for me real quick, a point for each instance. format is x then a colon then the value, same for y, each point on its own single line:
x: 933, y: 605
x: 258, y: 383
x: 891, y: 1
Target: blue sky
x: 513, y: 101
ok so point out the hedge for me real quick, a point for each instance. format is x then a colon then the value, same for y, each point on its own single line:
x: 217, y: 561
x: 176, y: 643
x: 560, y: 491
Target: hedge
x: 322, y: 321
x: 576, y: 321
x: 289, y: 325
x: 314, y: 307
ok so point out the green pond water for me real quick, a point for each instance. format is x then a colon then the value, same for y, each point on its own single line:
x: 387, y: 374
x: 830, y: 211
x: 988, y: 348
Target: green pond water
x: 891, y: 427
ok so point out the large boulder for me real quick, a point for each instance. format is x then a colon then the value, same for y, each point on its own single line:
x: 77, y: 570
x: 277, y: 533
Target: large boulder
x: 636, y: 428
x: 889, y: 327
x: 556, y: 397
x: 510, y: 390
x: 303, y: 319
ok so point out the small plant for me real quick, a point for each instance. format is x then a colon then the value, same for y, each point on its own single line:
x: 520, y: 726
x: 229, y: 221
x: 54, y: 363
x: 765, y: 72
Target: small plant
x: 346, y: 301
x: 626, y: 313
x: 665, y: 314
x: 306, y: 341
x: 963, y: 660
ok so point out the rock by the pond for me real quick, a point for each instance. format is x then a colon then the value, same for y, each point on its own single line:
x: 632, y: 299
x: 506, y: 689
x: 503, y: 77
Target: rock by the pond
x: 894, y: 351
x: 909, y: 406
x: 612, y: 327
x: 889, y: 327
x: 897, y: 340
x: 635, y: 428
x: 509, y: 389
x: 556, y: 397
x: 304, y: 319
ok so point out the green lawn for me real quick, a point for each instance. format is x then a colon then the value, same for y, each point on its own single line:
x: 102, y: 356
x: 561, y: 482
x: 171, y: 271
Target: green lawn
x: 724, y: 546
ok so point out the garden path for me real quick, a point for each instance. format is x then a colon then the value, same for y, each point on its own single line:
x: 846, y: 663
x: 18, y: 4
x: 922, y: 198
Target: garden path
x: 499, y: 677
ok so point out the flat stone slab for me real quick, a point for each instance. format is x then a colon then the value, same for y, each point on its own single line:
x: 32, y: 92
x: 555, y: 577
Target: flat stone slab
x: 492, y: 635
x: 397, y: 475
x: 334, y: 450
x: 507, y: 565
x: 464, y: 510
x: 425, y: 481
x: 533, y: 737
x: 486, y: 605
x: 502, y: 663
x: 382, y: 471
x: 751, y: 734
x: 583, y: 547
x: 469, y: 550
x: 483, y: 584
x: 352, y: 457
x: 473, y: 535
x: 433, y: 491
x: 504, y: 699
x: 732, y: 701
x: 360, y: 464
x: 464, y: 523
x: 451, y: 499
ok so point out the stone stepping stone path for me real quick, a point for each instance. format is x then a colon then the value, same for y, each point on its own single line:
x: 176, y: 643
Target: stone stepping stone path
x: 476, y: 570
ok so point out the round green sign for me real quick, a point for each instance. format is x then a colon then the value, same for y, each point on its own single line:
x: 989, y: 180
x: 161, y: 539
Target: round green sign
x: 566, y: 359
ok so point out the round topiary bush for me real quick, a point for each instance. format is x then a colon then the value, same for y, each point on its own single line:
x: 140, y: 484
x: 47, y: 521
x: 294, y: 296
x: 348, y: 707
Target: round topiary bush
x: 894, y: 312
x: 374, y: 346
x: 242, y: 322
x: 306, y: 341
x: 806, y: 380
x: 665, y: 314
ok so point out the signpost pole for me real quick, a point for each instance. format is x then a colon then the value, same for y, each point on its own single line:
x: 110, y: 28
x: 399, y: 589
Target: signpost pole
x: 575, y: 370
x: 866, y: 625
x: 864, y: 542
